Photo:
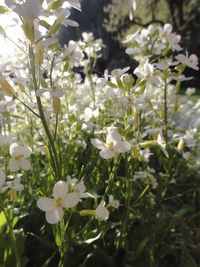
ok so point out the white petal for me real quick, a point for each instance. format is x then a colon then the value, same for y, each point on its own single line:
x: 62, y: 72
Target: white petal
x: 13, y: 148
x: 46, y: 204
x: 97, y: 143
x: 107, y: 154
x: 19, y: 187
x: 86, y: 195
x: 71, y: 200
x: 75, y: 4
x: 69, y: 22
x: 40, y: 92
x: 13, y: 165
x: 114, y: 137
x: 60, y: 190
x: 25, y: 164
x: 153, y: 80
x: 101, y: 212
x: 26, y: 151
x: 124, y: 146
x: 55, y: 215
x: 2, y: 178
x: 181, y: 58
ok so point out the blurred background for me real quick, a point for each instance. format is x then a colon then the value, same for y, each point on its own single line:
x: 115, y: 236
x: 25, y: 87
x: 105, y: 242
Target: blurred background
x: 112, y: 20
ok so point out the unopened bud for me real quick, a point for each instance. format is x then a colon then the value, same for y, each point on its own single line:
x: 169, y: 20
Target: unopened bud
x: 180, y: 145
x: 8, y: 89
x: 56, y: 105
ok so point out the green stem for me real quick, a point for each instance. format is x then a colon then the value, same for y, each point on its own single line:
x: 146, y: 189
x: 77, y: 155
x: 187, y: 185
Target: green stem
x: 126, y: 209
x: 165, y: 114
x: 111, y: 176
x: 42, y: 116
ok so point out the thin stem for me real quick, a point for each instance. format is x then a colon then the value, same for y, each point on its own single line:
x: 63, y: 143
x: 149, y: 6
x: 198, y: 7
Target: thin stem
x: 127, y: 204
x: 21, y: 101
x: 165, y: 113
x: 17, y: 45
x: 111, y: 176
x: 41, y: 112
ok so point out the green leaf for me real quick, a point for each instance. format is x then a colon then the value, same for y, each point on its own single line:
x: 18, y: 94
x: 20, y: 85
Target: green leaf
x: 2, y: 219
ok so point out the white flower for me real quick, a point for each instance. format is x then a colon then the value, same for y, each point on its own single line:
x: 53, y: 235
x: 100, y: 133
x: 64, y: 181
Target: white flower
x: 113, y: 145
x: 113, y: 202
x: 73, y: 52
x: 2, y: 179
x: 14, y: 185
x: 29, y: 10
x: 101, y: 212
x: 117, y: 73
x: 146, y: 70
x: 174, y: 40
x: 19, y: 156
x: 77, y: 188
x: 191, y: 61
x: 53, y: 207
x: 165, y: 64
x: 190, y: 91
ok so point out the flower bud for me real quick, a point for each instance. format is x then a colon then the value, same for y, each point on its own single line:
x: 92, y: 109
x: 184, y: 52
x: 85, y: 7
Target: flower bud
x: 8, y: 89
x: 180, y: 145
x: 56, y: 105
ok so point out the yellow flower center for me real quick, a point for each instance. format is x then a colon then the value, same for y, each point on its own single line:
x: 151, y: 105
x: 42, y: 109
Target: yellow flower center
x: 58, y: 202
x: 110, y: 145
x: 19, y: 156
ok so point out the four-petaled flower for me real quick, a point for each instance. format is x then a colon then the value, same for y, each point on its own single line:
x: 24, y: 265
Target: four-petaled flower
x: 19, y: 155
x: 53, y: 207
x: 114, y: 145
x: 190, y: 61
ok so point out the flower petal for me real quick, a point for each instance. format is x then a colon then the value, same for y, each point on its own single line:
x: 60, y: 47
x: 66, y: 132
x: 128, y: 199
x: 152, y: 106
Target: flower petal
x: 71, y: 200
x: 114, y: 137
x: 13, y: 148
x: 107, y: 154
x: 124, y: 146
x: 60, y: 189
x: 97, y: 143
x: 26, y: 151
x: 46, y: 204
x: 25, y: 164
x: 101, y: 212
x: 13, y: 165
x: 55, y: 215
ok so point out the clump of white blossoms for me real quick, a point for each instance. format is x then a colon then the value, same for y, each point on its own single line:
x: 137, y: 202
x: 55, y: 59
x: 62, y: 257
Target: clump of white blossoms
x: 19, y: 155
x: 113, y: 146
